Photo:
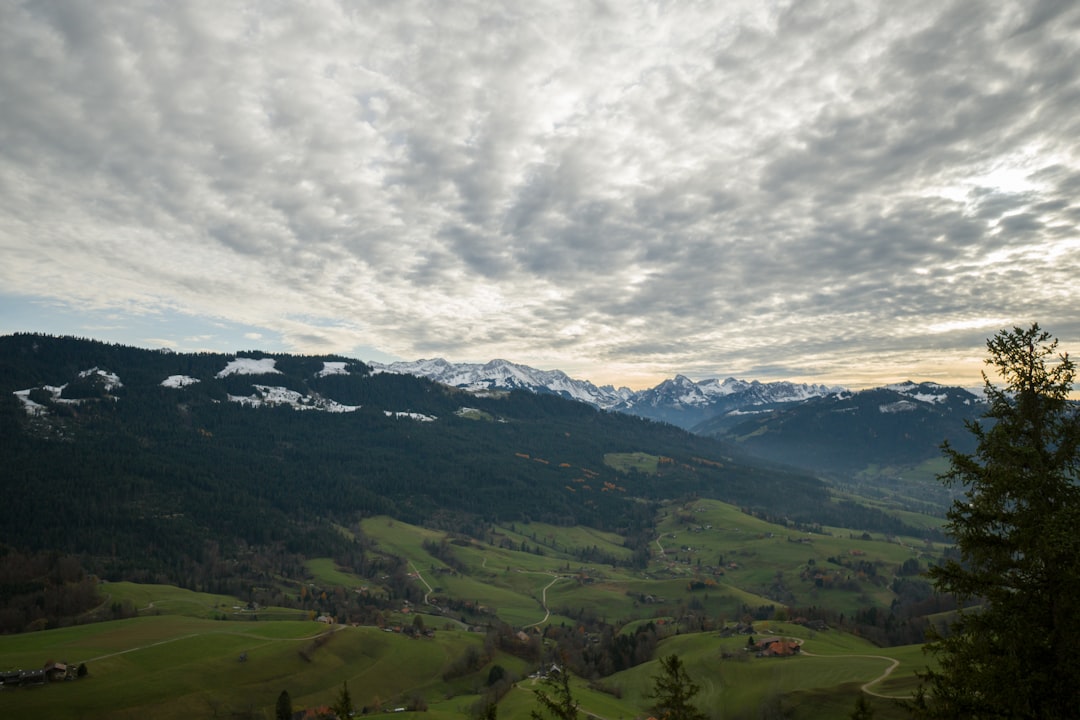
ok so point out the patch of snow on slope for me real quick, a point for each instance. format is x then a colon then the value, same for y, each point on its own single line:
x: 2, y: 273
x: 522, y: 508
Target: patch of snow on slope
x: 178, y: 381
x: 926, y: 398
x: 58, y: 395
x: 250, y: 366
x: 55, y: 391
x: 333, y: 368
x: 112, y: 380
x: 268, y: 395
x: 419, y: 417
x: 32, y: 408
x: 912, y: 391
x: 901, y: 406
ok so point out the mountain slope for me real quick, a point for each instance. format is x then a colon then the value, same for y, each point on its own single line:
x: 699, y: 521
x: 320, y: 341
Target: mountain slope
x: 902, y: 424
x: 143, y: 459
x: 818, y: 428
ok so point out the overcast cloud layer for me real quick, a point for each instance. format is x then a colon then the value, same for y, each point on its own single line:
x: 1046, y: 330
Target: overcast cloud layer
x: 836, y: 191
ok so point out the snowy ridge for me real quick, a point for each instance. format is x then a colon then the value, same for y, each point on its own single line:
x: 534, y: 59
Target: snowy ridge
x: 932, y: 393
x: 679, y: 400
x: 505, y: 375
x: 927, y: 392
x: 721, y: 396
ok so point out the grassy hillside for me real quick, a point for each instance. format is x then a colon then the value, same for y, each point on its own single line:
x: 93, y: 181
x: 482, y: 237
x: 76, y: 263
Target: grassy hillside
x: 181, y: 667
x: 180, y: 658
x: 833, y: 668
x: 177, y: 667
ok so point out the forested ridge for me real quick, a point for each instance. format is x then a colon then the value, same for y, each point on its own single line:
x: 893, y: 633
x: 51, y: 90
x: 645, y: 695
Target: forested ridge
x: 140, y: 479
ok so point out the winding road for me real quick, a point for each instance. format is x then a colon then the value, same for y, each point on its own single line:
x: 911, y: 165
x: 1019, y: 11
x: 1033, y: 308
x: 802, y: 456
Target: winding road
x: 426, y: 584
x: 543, y: 595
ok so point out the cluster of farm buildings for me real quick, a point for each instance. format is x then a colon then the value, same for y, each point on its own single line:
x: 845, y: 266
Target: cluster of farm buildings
x: 52, y: 672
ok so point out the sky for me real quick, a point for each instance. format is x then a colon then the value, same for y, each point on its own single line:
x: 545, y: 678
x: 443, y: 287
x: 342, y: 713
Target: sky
x: 853, y: 193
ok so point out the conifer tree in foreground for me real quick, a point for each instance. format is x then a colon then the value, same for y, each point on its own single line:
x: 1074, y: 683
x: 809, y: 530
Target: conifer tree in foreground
x: 1015, y: 653
x: 672, y: 690
x: 343, y: 708
x: 560, y: 703
x: 283, y: 710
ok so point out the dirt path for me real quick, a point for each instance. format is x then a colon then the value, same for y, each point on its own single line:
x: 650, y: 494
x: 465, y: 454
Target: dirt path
x: 426, y: 584
x: 866, y: 688
x: 893, y: 664
x: 543, y: 594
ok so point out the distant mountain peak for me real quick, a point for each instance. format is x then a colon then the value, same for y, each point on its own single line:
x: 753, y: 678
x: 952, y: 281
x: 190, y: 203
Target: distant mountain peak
x: 679, y: 400
x: 500, y: 374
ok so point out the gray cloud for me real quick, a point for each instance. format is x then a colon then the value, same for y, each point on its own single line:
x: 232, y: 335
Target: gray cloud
x: 625, y: 191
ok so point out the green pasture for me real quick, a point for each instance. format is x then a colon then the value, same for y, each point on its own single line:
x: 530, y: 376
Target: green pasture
x: 760, y: 560
x: 509, y: 581
x: 635, y: 461
x: 177, y: 667
x: 767, y: 556
x: 180, y: 658
x: 326, y: 573
x: 151, y: 599
x: 522, y: 700
x: 741, y: 684
x: 604, y: 600
x: 182, y: 667
x: 168, y: 599
x: 563, y: 542
x: 398, y: 538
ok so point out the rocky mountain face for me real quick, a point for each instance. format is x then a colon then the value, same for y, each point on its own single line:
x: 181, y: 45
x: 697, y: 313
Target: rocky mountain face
x: 501, y: 375
x: 683, y: 402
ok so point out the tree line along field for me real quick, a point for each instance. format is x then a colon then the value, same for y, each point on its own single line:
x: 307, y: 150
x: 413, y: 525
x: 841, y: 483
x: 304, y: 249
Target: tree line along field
x: 710, y: 566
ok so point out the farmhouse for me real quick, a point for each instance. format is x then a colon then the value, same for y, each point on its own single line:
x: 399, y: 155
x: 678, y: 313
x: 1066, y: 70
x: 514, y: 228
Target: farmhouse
x: 55, y: 671
x: 776, y: 647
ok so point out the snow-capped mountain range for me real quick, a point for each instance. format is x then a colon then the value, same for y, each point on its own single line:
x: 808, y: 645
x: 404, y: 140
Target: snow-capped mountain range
x: 505, y: 375
x: 684, y: 402
x: 680, y: 401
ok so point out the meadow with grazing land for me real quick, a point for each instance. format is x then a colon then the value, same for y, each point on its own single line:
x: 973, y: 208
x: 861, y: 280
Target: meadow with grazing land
x: 194, y: 654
